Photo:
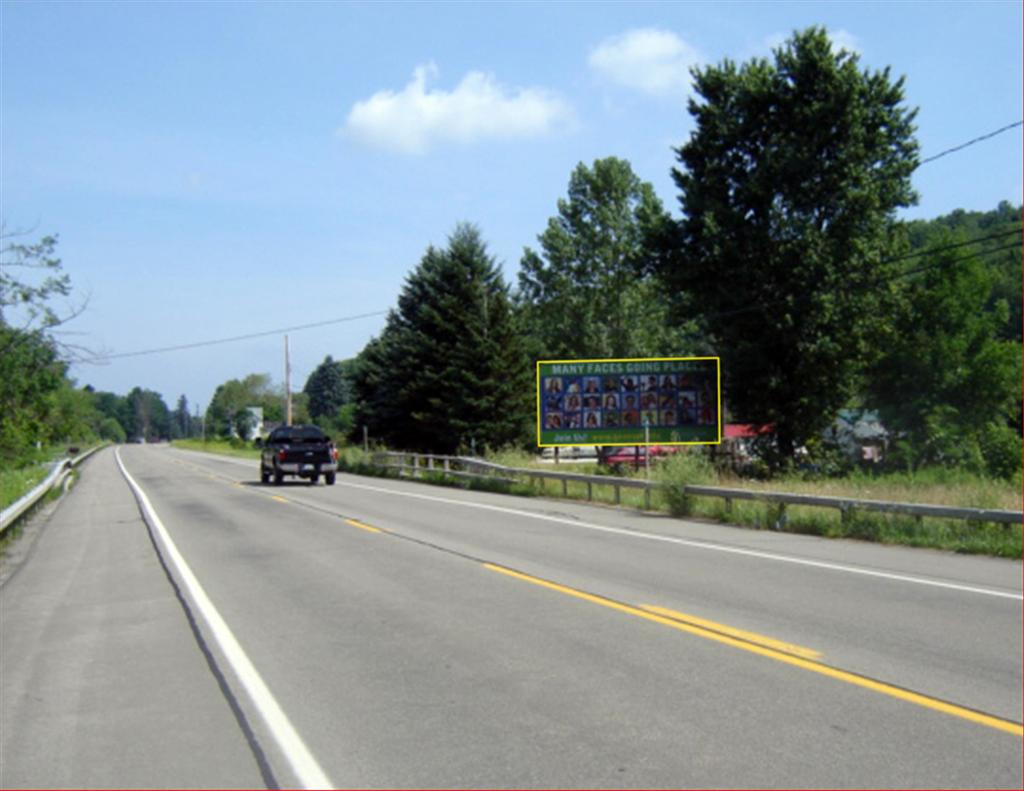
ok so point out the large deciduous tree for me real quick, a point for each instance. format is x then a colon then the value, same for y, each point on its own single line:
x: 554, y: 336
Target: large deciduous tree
x: 789, y: 187
x: 449, y: 370
x: 588, y: 292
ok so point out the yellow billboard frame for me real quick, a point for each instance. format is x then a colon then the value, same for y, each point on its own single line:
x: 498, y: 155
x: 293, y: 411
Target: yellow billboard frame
x: 718, y: 389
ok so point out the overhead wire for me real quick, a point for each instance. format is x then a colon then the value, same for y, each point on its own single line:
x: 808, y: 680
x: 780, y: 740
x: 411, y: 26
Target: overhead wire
x: 970, y: 143
x: 99, y: 358
x: 263, y: 334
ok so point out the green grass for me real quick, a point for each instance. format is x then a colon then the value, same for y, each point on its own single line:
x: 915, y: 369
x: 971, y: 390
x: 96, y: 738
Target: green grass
x: 935, y: 487
x: 223, y: 447
x: 16, y: 483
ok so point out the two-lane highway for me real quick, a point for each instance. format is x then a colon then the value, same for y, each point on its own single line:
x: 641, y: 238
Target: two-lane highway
x: 386, y: 633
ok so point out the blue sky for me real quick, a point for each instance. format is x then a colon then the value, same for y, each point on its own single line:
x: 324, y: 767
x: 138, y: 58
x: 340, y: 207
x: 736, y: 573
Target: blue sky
x: 220, y: 169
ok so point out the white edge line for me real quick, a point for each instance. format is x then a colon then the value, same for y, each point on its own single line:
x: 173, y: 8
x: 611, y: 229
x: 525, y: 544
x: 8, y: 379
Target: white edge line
x: 302, y: 762
x: 685, y: 542
x: 702, y: 544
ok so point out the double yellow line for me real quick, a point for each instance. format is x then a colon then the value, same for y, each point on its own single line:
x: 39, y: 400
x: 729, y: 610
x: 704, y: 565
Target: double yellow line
x: 796, y: 656
x: 752, y: 642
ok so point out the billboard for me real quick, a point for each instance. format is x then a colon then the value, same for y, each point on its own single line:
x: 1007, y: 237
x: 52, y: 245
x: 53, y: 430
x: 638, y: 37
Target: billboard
x: 650, y: 400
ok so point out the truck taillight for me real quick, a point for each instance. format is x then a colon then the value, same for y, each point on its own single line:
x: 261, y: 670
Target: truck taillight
x: 281, y: 455
x: 334, y: 453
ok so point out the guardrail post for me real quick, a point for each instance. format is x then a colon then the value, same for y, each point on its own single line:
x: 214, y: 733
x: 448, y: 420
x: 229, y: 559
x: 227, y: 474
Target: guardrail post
x: 647, y: 497
x: 430, y: 462
x: 590, y: 490
x: 565, y: 488
x: 618, y: 494
x: 780, y: 517
x: 728, y: 506
x: 845, y: 514
x: 415, y: 465
x: 447, y: 465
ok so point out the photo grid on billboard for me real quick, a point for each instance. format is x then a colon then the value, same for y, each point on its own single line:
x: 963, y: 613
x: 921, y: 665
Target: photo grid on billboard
x: 659, y: 400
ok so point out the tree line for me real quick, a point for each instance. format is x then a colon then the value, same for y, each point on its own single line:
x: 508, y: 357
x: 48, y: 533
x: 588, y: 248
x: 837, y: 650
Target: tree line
x: 789, y: 262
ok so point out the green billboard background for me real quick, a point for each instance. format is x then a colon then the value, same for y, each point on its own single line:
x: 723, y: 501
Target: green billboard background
x: 608, y: 402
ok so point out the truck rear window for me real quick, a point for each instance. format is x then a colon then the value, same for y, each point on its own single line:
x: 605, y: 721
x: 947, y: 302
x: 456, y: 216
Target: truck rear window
x: 299, y: 434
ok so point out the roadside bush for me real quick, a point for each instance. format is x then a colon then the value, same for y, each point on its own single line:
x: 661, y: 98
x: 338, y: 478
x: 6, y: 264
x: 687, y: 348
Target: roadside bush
x: 1001, y: 449
x: 686, y: 467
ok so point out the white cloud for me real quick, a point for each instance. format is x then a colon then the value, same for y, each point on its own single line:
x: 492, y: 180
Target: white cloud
x: 479, y: 108
x: 656, y: 62
x: 844, y: 39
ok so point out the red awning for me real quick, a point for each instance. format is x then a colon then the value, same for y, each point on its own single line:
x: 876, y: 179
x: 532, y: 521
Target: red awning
x: 745, y: 430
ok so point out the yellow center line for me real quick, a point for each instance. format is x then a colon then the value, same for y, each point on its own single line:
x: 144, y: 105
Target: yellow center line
x: 279, y: 499
x: 1007, y: 726
x: 361, y: 526
x: 742, y: 634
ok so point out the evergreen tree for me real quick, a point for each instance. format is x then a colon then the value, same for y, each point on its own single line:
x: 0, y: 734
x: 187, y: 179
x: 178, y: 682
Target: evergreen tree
x: 325, y: 389
x: 181, y: 421
x: 449, y: 370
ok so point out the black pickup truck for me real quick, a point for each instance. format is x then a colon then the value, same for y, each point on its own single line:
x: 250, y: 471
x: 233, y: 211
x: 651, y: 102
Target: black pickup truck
x: 304, y: 451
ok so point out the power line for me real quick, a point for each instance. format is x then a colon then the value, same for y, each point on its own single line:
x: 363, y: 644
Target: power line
x: 970, y: 143
x: 954, y: 246
x: 896, y: 275
x: 198, y: 344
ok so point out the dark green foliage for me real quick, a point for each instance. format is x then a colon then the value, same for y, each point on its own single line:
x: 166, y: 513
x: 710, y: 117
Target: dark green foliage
x: 589, y: 294
x: 148, y: 416
x: 327, y: 390
x: 789, y: 187
x: 181, y: 421
x: 256, y: 390
x: 31, y: 376
x: 448, y: 371
x: 1002, y: 254
x: 948, y: 384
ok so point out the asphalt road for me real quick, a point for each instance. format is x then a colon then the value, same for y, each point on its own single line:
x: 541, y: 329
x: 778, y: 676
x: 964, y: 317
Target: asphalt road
x: 179, y: 624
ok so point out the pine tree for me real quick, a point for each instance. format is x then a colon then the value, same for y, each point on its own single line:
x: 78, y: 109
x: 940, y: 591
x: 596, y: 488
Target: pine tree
x: 325, y: 388
x: 449, y: 371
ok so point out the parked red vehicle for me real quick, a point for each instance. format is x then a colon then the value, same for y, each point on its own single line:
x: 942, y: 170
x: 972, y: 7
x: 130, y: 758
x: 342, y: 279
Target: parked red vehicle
x: 636, y: 456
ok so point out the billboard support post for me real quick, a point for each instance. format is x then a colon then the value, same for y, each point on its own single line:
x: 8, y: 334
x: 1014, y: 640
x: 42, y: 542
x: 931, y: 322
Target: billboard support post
x: 647, y: 456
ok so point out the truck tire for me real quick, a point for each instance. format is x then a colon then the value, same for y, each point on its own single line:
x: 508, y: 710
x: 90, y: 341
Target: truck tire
x: 278, y: 477
x: 329, y: 478
x: 264, y: 474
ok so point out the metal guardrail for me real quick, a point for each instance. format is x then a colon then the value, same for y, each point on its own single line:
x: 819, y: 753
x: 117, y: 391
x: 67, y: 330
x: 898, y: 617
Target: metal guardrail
x: 419, y: 464
x: 61, y: 470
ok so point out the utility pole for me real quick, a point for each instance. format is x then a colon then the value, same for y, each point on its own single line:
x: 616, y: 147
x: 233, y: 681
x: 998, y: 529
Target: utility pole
x: 287, y: 385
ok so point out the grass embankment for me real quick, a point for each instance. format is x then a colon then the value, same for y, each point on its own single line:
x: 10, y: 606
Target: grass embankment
x: 934, y: 487
x: 222, y: 447
x: 15, y: 482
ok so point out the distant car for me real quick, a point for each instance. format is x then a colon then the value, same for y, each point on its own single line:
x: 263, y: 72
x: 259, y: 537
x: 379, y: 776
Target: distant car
x: 301, y: 451
x: 636, y: 457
